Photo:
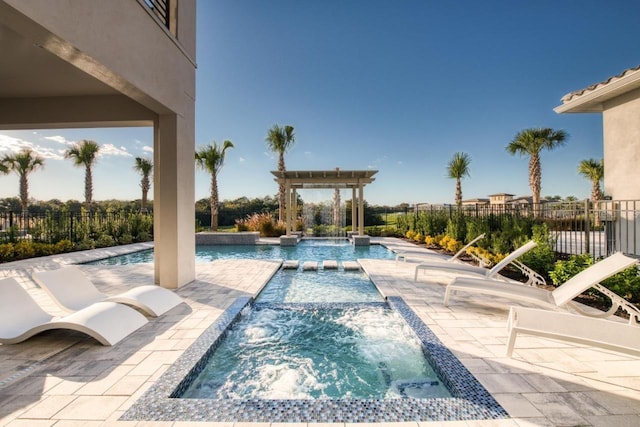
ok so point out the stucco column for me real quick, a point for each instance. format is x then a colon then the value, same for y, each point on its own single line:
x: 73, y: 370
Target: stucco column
x: 354, y: 223
x: 360, y: 210
x: 174, y: 201
x: 287, y: 206
x: 294, y: 209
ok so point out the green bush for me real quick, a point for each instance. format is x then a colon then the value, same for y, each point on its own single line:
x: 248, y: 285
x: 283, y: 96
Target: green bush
x: 541, y: 258
x: 6, y: 252
x: 125, y: 239
x: 626, y: 283
x: 105, y: 240
x: 565, y: 270
x: 85, y: 244
x: 24, y: 249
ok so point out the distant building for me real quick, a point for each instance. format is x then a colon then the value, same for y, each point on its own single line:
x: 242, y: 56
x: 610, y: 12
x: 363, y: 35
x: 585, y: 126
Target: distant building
x: 474, y: 202
x: 500, y: 198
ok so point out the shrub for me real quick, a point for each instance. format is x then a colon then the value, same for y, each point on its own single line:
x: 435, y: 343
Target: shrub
x: 85, y: 244
x: 6, y: 252
x: 418, y: 238
x: 64, y: 246
x: 565, y: 270
x: 104, y: 241
x: 541, y: 258
x: 125, y: 239
x: 409, y: 234
x: 430, y: 240
x: 24, y: 249
x: 626, y: 283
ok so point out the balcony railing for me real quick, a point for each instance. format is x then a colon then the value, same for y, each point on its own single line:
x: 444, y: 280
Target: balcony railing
x: 161, y: 10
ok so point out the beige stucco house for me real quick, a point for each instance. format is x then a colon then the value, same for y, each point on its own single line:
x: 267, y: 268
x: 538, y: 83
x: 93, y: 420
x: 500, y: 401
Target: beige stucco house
x: 618, y: 99
x: 105, y: 64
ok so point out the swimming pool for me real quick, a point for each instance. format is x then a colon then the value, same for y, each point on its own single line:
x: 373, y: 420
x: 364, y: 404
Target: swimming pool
x: 267, y: 387
x: 306, y: 250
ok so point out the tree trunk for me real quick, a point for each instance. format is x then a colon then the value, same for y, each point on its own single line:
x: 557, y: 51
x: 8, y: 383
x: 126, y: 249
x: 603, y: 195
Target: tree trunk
x: 214, y: 203
x: 88, y: 187
x: 458, y: 192
x: 534, y: 182
x: 24, y: 193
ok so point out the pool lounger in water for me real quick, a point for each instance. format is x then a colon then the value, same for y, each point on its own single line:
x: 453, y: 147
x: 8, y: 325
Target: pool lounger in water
x: 330, y: 264
x: 290, y: 264
x: 310, y: 265
x: 350, y: 265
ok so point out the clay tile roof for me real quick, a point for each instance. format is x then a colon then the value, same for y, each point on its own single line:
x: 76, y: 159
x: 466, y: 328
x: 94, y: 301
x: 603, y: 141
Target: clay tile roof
x: 568, y: 97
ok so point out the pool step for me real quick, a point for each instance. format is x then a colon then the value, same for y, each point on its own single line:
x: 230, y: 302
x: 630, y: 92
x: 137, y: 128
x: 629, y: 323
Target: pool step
x: 350, y: 265
x: 290, y: 264
x: 310, y: 265
x: 330, y: 264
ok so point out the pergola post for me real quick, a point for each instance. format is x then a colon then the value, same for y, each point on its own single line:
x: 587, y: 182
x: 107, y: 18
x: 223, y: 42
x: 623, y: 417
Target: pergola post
x: 360, y: 209
x: 354, y: 211
x: 287, y: 206
x: 294, y: 209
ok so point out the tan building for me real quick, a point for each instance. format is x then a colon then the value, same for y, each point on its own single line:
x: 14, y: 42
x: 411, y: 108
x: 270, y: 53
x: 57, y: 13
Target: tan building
x: 500, y: 198
x: 618, y: 99
x: 107, y: 64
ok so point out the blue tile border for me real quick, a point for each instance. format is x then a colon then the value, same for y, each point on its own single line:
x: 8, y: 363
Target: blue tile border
x: 471, y: 401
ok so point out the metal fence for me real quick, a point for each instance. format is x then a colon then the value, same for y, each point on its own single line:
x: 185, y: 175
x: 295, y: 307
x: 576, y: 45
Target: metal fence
x: 54, y: 226
x: 599, y: 228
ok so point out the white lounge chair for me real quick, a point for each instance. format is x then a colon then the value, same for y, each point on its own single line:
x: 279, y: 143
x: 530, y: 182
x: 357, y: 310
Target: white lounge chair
x: 425, y: 256
x: 72, y: 290
x: 473, y: 269
x: 607, y: 334
x: 21, y: 318
x: 562, y: 295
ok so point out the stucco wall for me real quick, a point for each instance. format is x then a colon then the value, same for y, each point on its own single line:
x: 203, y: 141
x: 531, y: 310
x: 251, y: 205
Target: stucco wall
x: 621, y: 128
x: 136, y: 55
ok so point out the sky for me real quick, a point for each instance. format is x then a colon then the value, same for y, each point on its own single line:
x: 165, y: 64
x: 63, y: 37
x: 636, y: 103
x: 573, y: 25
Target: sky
x: 395, y: 86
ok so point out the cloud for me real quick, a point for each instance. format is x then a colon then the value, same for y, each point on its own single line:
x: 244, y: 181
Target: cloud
x: 400, y: 163
x: 9, y: 144
x: 308, y: 153
x: 269, y: 154
x: 112, y: 150
x: 242, y: 160
x: 59, y: 139
x: 147, y: 149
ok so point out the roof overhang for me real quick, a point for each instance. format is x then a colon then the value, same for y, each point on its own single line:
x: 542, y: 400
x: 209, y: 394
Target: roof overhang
x: 336, y: 178
x: 593, y: 98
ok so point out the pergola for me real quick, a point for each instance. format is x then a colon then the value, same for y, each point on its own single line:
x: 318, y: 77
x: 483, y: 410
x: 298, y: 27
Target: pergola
x: 307, y: 179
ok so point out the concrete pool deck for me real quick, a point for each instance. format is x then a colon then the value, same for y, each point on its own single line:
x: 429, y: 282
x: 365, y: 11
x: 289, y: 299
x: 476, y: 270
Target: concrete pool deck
x: 62, y: 379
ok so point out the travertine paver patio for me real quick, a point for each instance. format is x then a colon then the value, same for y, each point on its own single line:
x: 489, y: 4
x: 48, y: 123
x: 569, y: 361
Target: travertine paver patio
x: 65, y: 379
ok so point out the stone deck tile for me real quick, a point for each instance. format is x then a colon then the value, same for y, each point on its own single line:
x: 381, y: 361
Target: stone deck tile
x: 72, y: 380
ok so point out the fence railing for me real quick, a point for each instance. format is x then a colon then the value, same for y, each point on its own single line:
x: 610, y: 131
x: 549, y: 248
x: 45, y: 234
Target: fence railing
x: 54, y: 226
x: 599, y: 228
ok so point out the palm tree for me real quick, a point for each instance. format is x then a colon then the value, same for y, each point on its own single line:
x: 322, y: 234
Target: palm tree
x: 23, y: 163
x: 593, y: 170
x: 211, y: 159
x: 85, y: 154
x: 457, y: 169
x: 531, y: 141
x: 279, y: 140
x: 144, y: 166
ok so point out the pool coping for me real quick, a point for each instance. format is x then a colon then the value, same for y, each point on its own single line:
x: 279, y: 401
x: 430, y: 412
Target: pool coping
x: 471, y: 402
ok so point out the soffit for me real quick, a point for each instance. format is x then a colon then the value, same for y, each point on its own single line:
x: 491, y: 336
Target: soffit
x: 29, y: 71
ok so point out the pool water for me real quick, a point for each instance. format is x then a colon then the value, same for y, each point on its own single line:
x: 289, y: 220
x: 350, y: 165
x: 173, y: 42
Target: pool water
x: 360, y: 352
x: 318, y: 287
x: 306, y: 250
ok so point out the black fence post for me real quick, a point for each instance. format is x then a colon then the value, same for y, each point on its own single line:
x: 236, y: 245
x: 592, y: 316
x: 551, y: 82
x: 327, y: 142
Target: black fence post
x: 587, y: 227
